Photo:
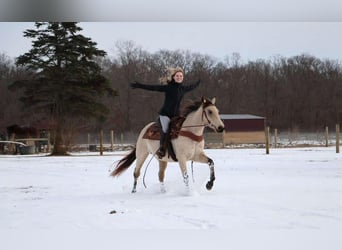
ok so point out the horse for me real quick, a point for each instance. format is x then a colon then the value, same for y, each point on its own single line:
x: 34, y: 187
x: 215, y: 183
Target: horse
x: 188, y: 145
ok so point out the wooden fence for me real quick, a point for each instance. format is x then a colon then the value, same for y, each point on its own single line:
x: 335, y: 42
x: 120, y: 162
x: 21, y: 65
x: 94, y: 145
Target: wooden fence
x: 270, y: 138
x: 273, y: 138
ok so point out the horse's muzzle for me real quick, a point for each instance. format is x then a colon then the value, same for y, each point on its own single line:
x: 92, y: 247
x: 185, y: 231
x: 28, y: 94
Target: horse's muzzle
x: 220, y: 129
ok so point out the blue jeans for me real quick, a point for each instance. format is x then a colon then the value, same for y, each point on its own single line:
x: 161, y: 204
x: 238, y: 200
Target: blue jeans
x: 164, y: 121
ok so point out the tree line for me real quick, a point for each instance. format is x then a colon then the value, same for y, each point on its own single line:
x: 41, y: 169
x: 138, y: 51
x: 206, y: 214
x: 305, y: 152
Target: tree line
x: 302, y: 92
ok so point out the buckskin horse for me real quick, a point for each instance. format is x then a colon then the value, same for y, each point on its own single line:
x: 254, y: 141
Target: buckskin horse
x: 188, y: 143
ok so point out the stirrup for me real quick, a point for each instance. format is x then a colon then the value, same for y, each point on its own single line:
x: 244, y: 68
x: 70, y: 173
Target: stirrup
x: 160, y: 153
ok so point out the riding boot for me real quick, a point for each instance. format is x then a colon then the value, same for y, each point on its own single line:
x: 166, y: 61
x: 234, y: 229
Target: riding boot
x: 162, y: 149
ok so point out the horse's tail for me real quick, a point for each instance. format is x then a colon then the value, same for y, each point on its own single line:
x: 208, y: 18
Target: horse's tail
x: 124, y: 163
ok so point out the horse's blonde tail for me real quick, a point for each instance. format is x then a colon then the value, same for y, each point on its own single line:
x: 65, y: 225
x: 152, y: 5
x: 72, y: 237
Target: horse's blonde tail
x: 124, y: 163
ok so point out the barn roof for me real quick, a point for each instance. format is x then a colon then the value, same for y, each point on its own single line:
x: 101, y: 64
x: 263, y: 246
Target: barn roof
x: 240, y: 117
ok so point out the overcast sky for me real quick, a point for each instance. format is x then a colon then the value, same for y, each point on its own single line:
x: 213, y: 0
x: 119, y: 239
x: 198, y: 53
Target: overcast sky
x: 253, y: 28
x: 252, y: 40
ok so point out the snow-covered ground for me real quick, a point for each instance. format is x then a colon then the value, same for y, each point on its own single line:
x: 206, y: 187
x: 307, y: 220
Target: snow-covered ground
x: 294, y: 192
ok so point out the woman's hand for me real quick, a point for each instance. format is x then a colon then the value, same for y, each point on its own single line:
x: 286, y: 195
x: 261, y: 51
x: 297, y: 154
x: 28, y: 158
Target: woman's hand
x: 134, y: 84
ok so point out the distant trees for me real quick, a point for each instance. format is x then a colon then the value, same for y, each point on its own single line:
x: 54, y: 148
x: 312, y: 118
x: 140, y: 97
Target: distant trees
x: 65, y: 82
x: 10, y: 111
x: 298, y: 92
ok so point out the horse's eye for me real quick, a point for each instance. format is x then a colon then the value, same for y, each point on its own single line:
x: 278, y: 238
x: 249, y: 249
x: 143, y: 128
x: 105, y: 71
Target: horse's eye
x: 210, y: 112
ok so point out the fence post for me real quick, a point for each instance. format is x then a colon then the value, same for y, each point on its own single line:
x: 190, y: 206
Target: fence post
x: 326, y: 136
x: 88, y: 141
x: 48, y: 142
x: 275, y: 137
x: 112, y: 140
x: 337, y: 138
x: 101, y: 142
x: 267, y: 134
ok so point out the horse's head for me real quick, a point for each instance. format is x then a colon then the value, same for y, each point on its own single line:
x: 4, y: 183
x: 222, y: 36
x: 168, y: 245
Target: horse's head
x: 211, y: 115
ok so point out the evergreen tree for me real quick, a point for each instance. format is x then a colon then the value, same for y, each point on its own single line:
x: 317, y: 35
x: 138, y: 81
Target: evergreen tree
x: 65, y: 80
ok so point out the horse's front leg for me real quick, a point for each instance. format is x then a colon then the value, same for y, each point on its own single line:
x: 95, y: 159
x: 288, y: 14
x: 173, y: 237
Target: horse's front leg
x: 202, y: 158
x: 210, y: 183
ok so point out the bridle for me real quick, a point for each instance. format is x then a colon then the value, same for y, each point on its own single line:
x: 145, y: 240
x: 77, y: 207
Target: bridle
x: 204, y: 114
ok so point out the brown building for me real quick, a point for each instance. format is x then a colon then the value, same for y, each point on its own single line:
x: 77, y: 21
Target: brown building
x: 243, y: 129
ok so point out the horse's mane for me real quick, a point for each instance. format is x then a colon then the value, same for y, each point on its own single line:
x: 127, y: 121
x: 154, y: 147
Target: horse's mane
x: 190, y: 106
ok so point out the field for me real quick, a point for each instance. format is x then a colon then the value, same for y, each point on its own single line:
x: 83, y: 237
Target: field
x: 290, y: 190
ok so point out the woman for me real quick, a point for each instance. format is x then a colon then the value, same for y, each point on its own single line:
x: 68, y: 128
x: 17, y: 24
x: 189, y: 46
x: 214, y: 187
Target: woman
x: 174, y: 93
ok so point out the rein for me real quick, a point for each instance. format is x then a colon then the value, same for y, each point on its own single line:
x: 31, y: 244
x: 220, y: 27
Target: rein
x: 200, y: 125
x: 193, y: 126
x: 191, y: 135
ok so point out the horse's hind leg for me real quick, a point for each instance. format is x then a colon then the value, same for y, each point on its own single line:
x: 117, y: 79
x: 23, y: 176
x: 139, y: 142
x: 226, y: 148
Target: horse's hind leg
x: 140, y: 161
x: 182, y: 164
x: 161, y: 174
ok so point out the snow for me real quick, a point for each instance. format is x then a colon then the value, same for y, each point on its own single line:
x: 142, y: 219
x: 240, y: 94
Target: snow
x: 289, y: 199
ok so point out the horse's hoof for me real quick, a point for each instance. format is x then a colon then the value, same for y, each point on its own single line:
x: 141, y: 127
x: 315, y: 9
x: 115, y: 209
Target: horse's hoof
x: 209, y: 185
x: 162, y: 188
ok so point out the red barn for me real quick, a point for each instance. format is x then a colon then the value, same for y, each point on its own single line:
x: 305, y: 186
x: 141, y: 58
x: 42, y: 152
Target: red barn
x: 243, y: 128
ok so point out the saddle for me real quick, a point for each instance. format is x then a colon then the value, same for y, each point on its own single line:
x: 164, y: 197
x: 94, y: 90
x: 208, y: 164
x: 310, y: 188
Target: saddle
x: 153, y: 133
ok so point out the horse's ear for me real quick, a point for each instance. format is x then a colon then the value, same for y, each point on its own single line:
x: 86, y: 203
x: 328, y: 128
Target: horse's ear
x: 213, y: 100
x: 204, y: 100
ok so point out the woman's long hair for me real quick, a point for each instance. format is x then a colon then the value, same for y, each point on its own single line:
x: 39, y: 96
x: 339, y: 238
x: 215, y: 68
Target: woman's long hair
x: 171, y: 72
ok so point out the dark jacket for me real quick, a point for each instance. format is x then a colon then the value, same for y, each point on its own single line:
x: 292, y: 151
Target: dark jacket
x: 174, y: 93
